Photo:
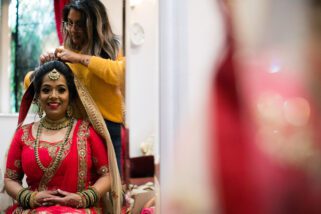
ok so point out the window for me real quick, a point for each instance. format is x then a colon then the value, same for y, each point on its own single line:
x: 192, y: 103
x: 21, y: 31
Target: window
x: 33, y: 31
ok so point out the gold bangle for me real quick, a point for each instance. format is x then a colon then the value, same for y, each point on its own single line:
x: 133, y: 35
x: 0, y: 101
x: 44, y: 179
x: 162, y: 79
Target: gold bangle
x: 24, y: 197
x: 95, y: 192
x: 19, y: 193
x: 87, y: 195
x: 33, y: 199
x: 27, y: 199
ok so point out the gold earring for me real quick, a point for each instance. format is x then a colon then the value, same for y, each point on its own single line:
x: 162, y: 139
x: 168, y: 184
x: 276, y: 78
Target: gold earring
x: 69, y: 112
x: 40, y: 110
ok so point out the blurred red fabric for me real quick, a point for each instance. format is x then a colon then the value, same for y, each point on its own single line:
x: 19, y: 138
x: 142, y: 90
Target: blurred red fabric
x: 248, y: 180
x: 58, y: 7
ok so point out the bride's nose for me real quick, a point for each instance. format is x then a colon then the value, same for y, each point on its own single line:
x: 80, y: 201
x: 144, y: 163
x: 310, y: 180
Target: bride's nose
x: 54, y: 94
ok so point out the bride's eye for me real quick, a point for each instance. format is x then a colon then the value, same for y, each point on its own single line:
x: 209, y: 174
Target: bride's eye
x: 45, y: 90
x: 62, y: 90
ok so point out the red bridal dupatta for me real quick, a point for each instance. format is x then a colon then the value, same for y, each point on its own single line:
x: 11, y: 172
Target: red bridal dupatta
x: 84, y: 108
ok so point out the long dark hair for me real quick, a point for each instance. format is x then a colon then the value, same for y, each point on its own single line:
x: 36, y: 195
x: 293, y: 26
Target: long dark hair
x: 101, y: 41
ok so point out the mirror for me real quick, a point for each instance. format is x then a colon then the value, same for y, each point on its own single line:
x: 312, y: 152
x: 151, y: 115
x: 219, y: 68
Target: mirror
x: 140, y: 41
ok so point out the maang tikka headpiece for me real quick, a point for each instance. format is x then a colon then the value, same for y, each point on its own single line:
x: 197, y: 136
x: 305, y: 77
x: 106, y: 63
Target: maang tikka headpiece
x: 54, y: 75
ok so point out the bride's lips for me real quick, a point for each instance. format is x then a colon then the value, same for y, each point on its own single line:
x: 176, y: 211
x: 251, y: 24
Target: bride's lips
x: 53, y: 106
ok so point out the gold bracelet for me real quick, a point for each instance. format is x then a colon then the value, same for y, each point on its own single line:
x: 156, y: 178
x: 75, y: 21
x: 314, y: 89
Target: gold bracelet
x: 86, y: 194
x: 89, y: 197
x: 22, y: 197
x: 19, y: 193
x: 33, y: 202
x: 95, y: 192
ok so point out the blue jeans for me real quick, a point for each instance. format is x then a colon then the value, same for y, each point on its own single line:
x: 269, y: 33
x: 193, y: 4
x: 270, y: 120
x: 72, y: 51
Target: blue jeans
x: 115, y: 135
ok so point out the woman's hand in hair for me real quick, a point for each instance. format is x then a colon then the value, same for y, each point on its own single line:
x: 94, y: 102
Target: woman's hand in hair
x: 67, y: 55
x: 70, y: 56
x: 46, y: 57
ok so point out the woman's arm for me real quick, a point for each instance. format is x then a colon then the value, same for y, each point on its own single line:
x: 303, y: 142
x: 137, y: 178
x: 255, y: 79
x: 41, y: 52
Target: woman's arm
x: 14, y: 175
x: 111, y: 71
x: 103, y: 184
x: 12, y: 187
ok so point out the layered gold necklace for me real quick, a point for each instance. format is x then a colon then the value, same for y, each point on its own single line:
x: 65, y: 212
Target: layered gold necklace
x: 55, y: 124
x: 53, y: 166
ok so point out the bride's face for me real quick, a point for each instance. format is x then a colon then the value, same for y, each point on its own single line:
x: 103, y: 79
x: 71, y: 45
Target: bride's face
x: 54, y: 97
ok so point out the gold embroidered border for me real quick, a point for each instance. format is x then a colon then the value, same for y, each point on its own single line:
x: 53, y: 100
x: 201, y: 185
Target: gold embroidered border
x: 25, y: 136
x: 48, y: 175
x: 97, y: 121
x: 82, y: 134
x: 25, y: 132
x: 94, y: 115
x: 46, y: 178
x: 18, y: 210
x: 53, y: 149
x: 17, y: 163
x: 12, y: 174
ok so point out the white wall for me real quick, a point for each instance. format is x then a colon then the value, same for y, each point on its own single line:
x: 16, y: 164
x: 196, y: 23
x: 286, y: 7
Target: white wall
x: 4, y: 59
x: 115, y: 14
x: 8, y: 123
x: 142, y: 78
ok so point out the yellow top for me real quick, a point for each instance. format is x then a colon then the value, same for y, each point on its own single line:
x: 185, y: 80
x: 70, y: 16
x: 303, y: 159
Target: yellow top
x: 104, y: 79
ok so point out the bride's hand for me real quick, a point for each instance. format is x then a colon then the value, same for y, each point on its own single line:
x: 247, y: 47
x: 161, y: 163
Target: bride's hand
x: 67, y: 55
x: 66, y: 199
x: 40, y: 198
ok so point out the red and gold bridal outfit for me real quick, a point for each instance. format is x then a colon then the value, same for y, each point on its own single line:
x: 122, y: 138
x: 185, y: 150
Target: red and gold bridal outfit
x: 83, y: 161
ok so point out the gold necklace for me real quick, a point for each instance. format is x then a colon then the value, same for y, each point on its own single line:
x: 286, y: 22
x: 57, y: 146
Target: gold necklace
x: 53, y: 166
x: 55, y: 124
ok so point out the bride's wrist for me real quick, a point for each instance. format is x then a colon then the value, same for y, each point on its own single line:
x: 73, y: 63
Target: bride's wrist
x: 33, y: 202
x: 89, y: 197
x: 27, y: 198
